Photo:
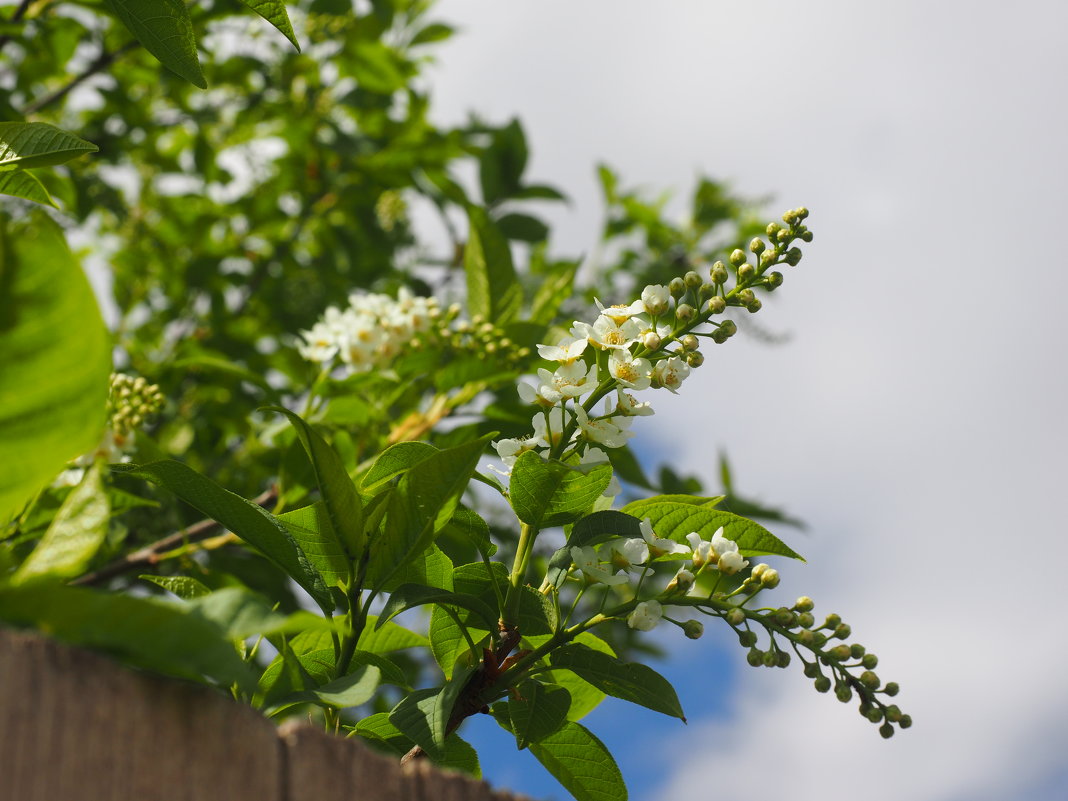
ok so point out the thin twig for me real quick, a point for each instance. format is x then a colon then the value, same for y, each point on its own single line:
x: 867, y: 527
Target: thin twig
x: 102, y: 61
x: 149, y: 555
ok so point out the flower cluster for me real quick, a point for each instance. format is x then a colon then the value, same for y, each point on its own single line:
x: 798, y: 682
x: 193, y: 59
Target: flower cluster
x: 650, y: 343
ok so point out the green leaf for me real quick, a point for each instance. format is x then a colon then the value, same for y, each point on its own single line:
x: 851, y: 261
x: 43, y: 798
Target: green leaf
x: 447, y: 643
x: 274, y: 11
x: 472, y: 370
x: 395, y: 460
x: 148, y: 632
x: 56, y: 360
x: 74, y: 536
x: 493, y: 290
x: 539, y: 192
x: 291, y: 672
x: 224, y: 366
x: 24, y: 184
x: 339, y: 493
x: 553, y: 290
x: 247, y: 520
x: 409, y: 596
x: 434, y: 32
x: 584, y: 696
x: 184, y: 587
x: 420, y: 506
x: 630, y: 681
x: 164, y: 28
x: 314, y: 534
x: 37, y: 144
x: 431, y: 568
x: 241, y: 613
x: 389, y: 672
x: 551, y: 493
x: 581, y: 763
x: 537, y: 710
x: 592, y: 529
x: 424, y: 715
x: 357, y: 688
x: 674, y: 520
x: 388, y: 638
x: 501, y: 164
x: 457, y: 754
x: 635, y: 507
x: 469, y: 525
x: 523, y: 227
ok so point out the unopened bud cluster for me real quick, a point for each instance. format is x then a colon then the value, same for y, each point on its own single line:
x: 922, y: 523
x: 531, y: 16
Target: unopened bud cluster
x: 846, y: 668
x: 131, y: 401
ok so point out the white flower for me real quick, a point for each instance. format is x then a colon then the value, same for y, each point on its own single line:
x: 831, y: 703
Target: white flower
x: 681, y: 582
x: 627, y: 553
x: 586, y: 560
x: 628, y: 371
x: 605, y: 333
x: 571, y: 380
x: 566, y: 352
x: 548, y: 434
x: 645, y: 616
x: 657, y: 545
x: 670, y: 373
x: 702, y: 549
x: 510, y: 449
x: 604, y: 432
x: 545, y: 395
x: 619, y: 313
x: 731, y: 562
x: 593, y: 457
x: 320, y: 343
x: 656, y: 299
x: 629, y: 406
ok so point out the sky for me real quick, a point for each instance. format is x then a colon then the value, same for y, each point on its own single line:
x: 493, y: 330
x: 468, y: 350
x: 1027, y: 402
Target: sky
x: 915, y: 419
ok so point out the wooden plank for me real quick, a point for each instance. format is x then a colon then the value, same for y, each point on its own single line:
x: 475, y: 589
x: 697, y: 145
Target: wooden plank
x: 76, y: 725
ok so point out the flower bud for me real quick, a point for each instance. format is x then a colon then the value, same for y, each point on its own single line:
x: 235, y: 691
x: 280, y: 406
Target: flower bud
x: 843, y: 693
x: 770, y: 579
x: 782, y: 237
x: 757, y: 245
x: 831, y: 621
x: 758, y: 571
x: 793, y: 256
x: 693, y: 629
x: 819, y: 639
x: 729, y: 326
x: 875, y: 715
x: 685, y: 312
x: 785, y: 618
x: 887, y: 731
x: 692, y: 280
x: 869, y: 680
x: 905, y: 722
x: 806, y: 637
x: 738, y: 257
x: 806, y: 236
x: 892, y: 688
x: 746, y: 272
x: 801, y: 212
x: 695, y: 359
x: 839, y: 653
x: 772, y: 229
x: 768, y: 257
x: 842, y: 631
x: 755, y: 657
x: 746, y: 296
x: 677, y: 288
x: 747, y: 638
x: 893, y: 713
x: 689, y: 342
x: 774, y: 280
x: 804, y: 604
x: 811, y: 670
x: 754, y: 306
x: 719, y: 273
x: 869, y: 661
x: 652, y: 340
x: 771, y: 659
x: 856, y: 650
x: 822, y: 684
x: 784, y: 660
x: 719, y: 336
x: 735, y: 617
x: 716, y: 305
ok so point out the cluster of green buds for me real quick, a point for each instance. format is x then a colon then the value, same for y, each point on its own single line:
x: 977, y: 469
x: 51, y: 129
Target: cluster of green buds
x: 848, y: 668
x: 390, y: 210
x: 479, y: 337
x: 131, y: 401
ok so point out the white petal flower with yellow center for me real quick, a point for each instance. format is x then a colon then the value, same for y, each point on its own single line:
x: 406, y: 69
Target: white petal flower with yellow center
x: 566, y: 352
x: 628, y: 405
x: 628, y: 371
x: 728, y: 557
x: 610, y: 433
x: 645, y: 616
x: 670, y: 373
x: 544, y: 395
x: 702, y: 550
x: 628, y: 553
x: 587, y: 560
x: 510, y: 449
x: 620, y: 313
x: 571, y: 380
x: 659, y: 546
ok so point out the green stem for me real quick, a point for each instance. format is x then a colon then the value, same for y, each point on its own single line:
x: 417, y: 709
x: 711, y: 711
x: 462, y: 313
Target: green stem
x: 527, y: 535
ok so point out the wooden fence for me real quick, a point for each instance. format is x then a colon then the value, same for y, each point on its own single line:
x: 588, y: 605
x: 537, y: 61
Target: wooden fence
x: 76, y: 725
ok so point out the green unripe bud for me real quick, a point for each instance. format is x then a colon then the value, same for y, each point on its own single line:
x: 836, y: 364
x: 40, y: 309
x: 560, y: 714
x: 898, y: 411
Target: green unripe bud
x: 839, y: 653
x: 788, y: 217
x: 784, y: 659
x: 689, y: 342
x: 755, y: 658
x: 738, y: 257
x: 767, y: 258
x: 822, y: 684
x: 793, y: 256
x: 887, y: 731
x: 802, y: 212
x: 772, y: 229
x: 892, y: 688
x: 893, y: 713
x: 774, y: 280
x: 819, y: 639
x: 785, y: 618
x: 843, y: 693
x: 759, y: 570
x: 685, y: 312
x: 842, y: 631
x: 757, y: 245
x: 719, y: 336
x: 770, y: 579
x: 719, y: 273
x: 729, y: 326
x: 806, y: 637
x: 754, y: 306
x: 870, y: 661
x: 746, y: 296
x: 804, y: 604
x: 736, y: 617
x: 747, y: 639
x: 677, y: 288
x: 692, y: 280
x: 695, y: 359
x: 856, y: 650
x: 831, y: 621
x: 771, y: 659
x: 905, y: 722
x: 746, y: 272
x: 875, y: 715
x: 811, y: 670
x: 869, y: 680
x: 806, y: 236
x: 805, y: 620
x: 782, y: 237
x: 706, y: 291
x: 716, y: 305
x: 693, y: 629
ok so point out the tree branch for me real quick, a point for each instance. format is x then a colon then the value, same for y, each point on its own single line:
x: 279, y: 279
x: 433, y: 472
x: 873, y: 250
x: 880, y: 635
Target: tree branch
x: 16, y: 18
x: 149, y: 555
x: 101, y: 62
